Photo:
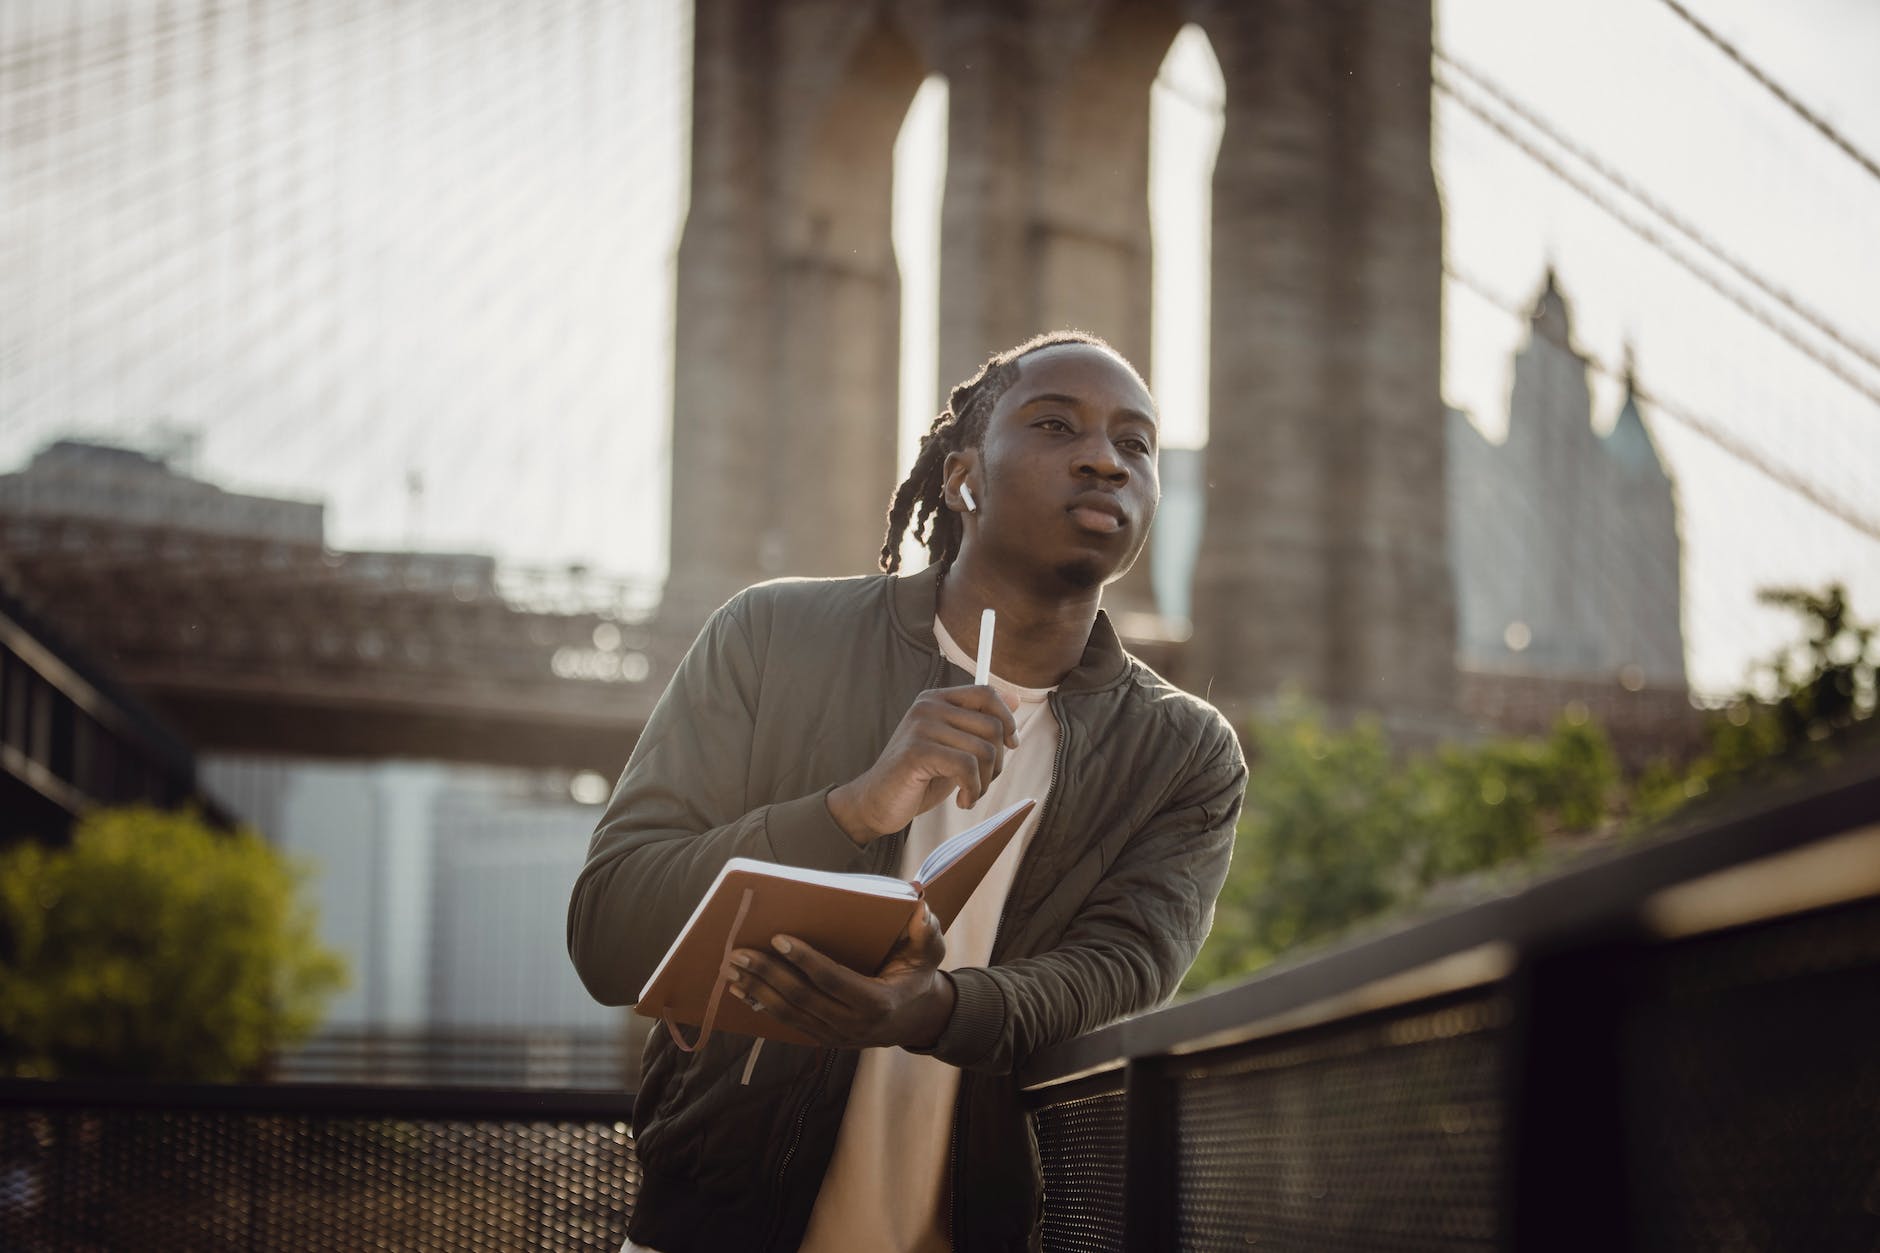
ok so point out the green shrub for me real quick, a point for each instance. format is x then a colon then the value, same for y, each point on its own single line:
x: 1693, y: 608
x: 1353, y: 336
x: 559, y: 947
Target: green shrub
x: 1814, y: 697
x: 153, y: 946
x: 1335, y: 830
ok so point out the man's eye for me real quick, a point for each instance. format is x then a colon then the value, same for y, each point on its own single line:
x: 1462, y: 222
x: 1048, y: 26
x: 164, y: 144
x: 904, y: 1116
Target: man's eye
x: 1054, y: 424
x: 1138, y: 446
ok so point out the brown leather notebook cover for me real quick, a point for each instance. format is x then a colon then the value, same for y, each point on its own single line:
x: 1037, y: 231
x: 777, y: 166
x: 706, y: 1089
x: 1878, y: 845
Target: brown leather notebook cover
x: 849, y: 922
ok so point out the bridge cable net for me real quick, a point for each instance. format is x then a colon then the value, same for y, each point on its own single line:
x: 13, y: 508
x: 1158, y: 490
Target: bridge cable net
x: 412, y: 260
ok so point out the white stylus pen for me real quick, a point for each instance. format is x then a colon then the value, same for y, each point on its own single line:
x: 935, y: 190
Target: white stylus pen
x: 982, y: 674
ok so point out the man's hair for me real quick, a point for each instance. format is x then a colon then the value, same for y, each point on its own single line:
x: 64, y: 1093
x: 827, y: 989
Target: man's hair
x: 921, y: 497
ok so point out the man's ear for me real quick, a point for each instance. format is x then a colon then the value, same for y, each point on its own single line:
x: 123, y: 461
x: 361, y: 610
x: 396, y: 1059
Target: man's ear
x: 958, y: 471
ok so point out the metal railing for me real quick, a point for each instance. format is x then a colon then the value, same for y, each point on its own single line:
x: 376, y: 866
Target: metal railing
x: 1671, y: 1048
x: 485, y: 1058
x: 72, y: 739
x: 312, y: 1169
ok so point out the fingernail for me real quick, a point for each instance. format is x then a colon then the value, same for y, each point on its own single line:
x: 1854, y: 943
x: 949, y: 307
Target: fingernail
x: 736, y: 976
x: 741, y: 959
x: 780, y: 944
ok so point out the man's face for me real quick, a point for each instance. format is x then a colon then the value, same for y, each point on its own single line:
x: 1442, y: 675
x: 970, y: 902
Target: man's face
x: 1066, y: 477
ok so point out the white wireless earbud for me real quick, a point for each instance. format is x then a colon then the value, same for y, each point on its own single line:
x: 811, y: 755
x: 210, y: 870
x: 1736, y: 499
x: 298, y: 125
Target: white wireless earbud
x: 966, y: 494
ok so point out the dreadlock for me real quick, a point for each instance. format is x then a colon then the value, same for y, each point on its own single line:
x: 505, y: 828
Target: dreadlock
x: 962, y: 424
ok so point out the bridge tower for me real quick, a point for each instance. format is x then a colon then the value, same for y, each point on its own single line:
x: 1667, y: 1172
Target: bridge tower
x: 788, y: 328
x: 1324, y: 560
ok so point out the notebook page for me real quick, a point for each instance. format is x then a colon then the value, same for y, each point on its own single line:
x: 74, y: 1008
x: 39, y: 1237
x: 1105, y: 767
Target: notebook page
x: 957, y: 847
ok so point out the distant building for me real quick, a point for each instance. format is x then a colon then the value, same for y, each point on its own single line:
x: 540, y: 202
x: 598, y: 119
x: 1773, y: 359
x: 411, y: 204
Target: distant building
x: 445, y: 886
x: 72, y: 483
x: 1564, y: 542
x: 81, y: 480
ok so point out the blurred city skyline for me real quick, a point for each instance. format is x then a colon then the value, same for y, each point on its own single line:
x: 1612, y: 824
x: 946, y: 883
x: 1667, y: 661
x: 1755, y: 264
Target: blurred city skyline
x: 415, y: 260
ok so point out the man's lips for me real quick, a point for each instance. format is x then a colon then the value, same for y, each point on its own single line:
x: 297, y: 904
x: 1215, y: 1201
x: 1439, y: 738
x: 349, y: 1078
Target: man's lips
x: 1098, y: 513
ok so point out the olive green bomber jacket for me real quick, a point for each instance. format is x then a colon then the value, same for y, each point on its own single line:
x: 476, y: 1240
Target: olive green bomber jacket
x: 792, y: 688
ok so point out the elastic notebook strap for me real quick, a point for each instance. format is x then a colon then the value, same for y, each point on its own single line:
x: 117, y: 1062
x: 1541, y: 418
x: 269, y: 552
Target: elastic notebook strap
x: 718, y: 988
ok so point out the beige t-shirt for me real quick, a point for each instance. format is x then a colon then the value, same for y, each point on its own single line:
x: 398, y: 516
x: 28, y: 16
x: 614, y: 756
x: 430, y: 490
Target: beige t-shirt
x: 886, y: 1185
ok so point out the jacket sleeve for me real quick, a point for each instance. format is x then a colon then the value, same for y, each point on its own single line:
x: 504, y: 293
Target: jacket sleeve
x: 680, y: 812
x: 1131, y: 942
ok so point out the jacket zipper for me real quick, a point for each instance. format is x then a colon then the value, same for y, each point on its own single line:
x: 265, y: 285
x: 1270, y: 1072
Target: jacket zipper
x: 998, y: 933
x: 796, y: 1138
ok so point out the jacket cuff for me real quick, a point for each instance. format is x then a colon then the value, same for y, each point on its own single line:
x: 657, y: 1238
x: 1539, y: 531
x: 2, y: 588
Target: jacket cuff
x: 804, y: 833
x: 978, y: 1019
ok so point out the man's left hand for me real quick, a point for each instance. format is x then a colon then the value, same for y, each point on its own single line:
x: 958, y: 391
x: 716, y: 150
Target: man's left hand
x: 908, y: 1002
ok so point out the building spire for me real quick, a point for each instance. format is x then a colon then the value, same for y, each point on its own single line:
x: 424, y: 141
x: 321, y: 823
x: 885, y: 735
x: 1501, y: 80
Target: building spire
x: 1550, y: 319
x: 1630, y: 442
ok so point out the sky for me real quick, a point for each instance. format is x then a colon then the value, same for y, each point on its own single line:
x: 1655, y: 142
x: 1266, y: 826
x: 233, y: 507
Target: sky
x: 415, y: 259
x: 1634, y: 85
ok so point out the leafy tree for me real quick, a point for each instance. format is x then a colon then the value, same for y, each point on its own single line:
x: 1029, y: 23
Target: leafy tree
x: 153, y: 946
x: 1813, y: 695
x: 1335, y: 830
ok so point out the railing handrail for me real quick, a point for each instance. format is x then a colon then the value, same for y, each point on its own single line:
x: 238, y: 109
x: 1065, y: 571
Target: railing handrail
x: 324, y: 1100
x: 475, y: 1036
x: 1603, y: 895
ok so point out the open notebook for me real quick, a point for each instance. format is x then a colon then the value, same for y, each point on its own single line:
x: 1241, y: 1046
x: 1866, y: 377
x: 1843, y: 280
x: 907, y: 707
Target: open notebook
x: 853, y: 918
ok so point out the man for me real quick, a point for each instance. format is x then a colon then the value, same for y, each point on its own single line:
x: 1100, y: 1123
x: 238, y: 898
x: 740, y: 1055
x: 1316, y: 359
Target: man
x: 831, y: 723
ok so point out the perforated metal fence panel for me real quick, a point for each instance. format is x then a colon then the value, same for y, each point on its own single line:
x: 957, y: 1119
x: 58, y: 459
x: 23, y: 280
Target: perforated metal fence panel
x: 1752, y: 1088
x: 1080, y: 1143
x: 1378, y: 1135
x: 73, y: 1181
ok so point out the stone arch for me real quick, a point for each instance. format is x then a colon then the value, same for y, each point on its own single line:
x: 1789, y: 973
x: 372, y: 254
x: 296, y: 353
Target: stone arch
x: 786, y: 327
x: 1089, y: 229
x: 1185, y: 134
x: 1089, y: 232
x: 837, y: 168
x: 1045, y: 218
x: 1323, y: 559
x: 838, y: 332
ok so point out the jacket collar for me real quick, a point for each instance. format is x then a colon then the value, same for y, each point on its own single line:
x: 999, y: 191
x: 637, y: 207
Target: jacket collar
x: 913, y: 599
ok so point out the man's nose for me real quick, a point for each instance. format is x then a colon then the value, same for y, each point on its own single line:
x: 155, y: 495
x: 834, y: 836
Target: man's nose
x: 1098, y: 457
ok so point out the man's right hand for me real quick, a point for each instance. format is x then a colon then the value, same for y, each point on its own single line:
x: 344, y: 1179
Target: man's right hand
x: 951, y: 738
